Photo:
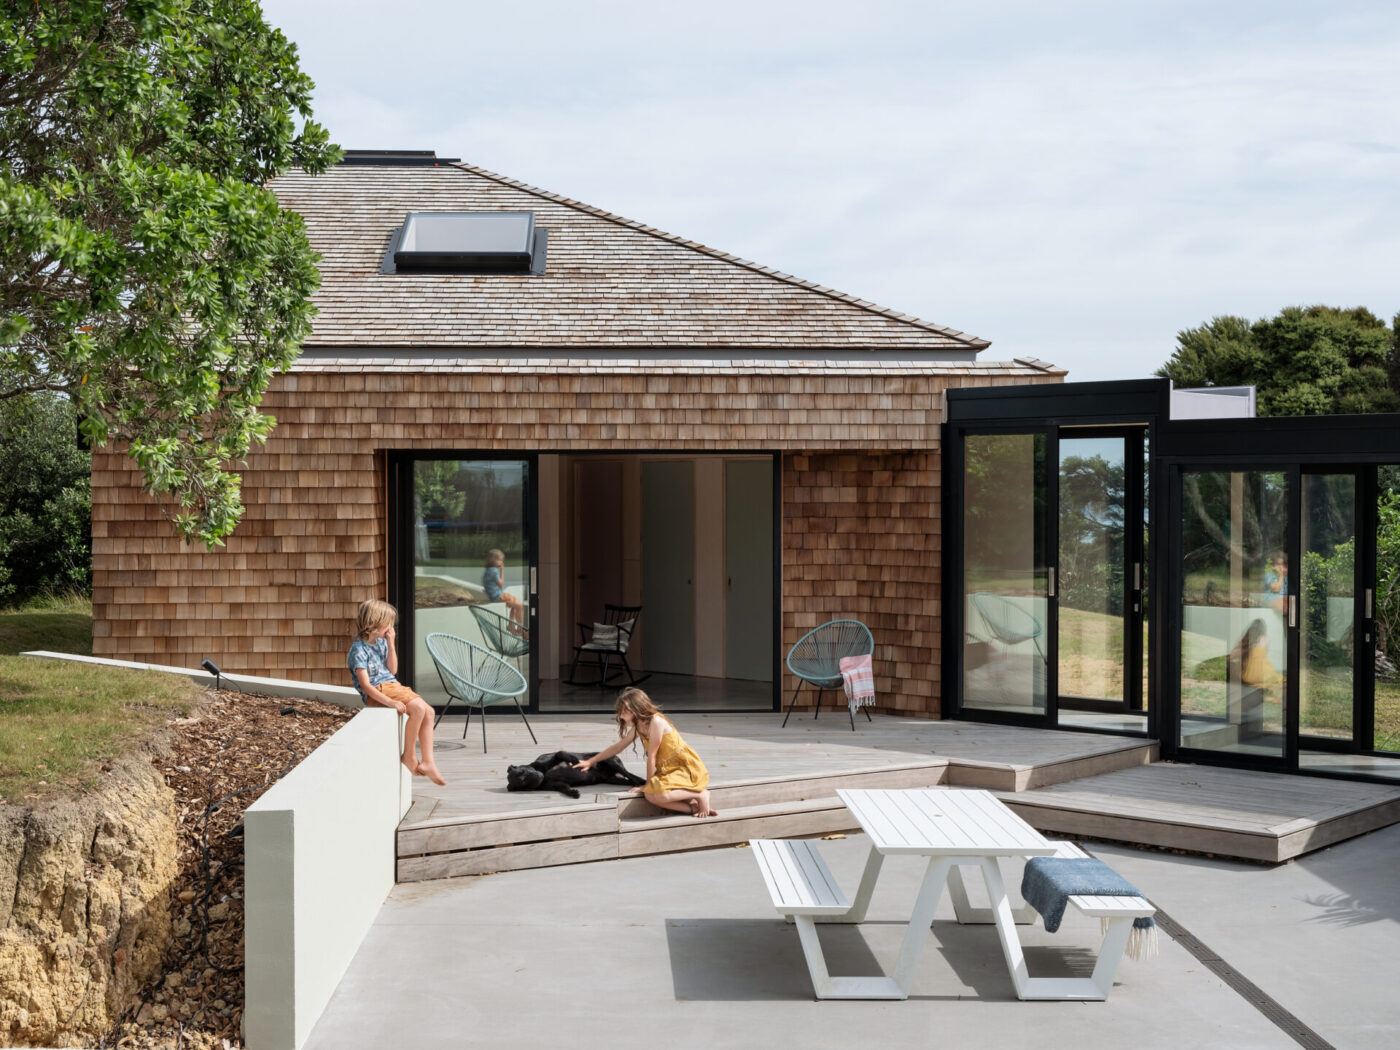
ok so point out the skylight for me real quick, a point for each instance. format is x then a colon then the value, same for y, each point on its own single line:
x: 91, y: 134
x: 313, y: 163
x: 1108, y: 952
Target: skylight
x: 480, y: 242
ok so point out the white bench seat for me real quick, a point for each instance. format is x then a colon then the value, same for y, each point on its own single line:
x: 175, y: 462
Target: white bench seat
x: 804, y: 890
x: 797, y: 878
x: 1102, y: 907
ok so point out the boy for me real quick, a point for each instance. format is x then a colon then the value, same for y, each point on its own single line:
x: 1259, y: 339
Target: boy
x: 373, y: 662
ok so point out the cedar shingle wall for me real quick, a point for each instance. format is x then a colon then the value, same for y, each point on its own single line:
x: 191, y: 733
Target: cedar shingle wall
x: 861, y: 541
x: 860, y: 519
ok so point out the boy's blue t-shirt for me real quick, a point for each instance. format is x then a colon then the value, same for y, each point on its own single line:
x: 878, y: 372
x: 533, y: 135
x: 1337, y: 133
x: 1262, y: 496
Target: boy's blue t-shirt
x: 493, y: 583
x: 373, y: 657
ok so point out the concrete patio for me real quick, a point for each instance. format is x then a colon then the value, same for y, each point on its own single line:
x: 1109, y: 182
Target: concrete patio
x: 684, y: 950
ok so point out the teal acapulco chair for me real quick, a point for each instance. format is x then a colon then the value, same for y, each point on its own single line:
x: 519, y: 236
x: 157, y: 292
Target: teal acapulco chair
x: 476, y: 678
x: 816, y: 659
x: 1009, y: 623
x: 502, y: 634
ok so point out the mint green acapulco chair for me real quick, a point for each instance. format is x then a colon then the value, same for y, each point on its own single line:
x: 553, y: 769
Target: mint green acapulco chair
x: 476, y: 678
x: 502, y: 634
x: 816, y: 659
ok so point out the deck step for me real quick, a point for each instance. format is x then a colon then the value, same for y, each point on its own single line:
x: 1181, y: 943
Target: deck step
x: 769, y: 790
x: 582, y: 834
x: 1234, y: 813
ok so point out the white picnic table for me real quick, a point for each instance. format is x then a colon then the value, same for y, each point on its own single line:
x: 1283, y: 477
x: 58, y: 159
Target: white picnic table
x: 953, y: 828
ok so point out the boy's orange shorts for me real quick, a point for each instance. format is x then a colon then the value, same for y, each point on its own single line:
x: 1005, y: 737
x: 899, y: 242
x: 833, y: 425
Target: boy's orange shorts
x: 397, y: 691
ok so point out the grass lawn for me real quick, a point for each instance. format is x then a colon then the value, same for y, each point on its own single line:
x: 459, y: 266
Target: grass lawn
x: 60, y: 625
x: 59, y: 721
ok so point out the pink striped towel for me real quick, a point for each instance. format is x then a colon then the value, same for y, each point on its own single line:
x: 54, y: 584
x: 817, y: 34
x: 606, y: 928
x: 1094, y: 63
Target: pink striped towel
x: 858, y: 674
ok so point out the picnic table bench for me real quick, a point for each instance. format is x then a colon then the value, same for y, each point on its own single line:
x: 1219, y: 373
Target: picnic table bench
x: 803, y: 890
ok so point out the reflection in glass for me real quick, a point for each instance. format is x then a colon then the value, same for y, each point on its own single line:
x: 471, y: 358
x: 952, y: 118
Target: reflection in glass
x: 1092, y: 567
x: 471, y: 561
x: 1004, y: 573
x: 1328, y: 607
x: 1233, y: 611
x: 1385, y: 612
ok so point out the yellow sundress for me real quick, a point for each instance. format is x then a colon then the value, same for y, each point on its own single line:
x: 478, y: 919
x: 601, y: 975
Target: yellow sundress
x: 678, y: 767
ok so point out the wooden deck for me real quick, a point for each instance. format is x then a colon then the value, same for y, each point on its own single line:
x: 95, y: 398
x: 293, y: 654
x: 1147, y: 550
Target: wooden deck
x: 766, y: 781
x: 1206, y: 809
x: 769, y: 782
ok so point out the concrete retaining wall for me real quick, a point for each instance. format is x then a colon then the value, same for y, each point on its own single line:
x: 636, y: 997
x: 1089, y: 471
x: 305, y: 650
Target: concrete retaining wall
x: 319, y: 862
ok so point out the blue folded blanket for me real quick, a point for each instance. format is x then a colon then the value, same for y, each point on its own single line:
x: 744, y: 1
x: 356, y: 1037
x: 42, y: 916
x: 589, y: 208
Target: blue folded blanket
x: 1049, y: 883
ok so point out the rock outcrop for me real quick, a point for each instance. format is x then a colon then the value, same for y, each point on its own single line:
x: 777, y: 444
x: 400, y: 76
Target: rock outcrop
x: 84, y: 905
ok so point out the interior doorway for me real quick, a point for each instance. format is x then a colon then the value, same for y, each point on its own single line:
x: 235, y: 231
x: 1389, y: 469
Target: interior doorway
x: 692, y: 540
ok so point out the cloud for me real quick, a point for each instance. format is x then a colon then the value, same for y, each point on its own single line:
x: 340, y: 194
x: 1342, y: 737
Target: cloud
x: 1074, y: 183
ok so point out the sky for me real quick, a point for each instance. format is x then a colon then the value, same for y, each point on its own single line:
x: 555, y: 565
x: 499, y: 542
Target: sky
x: 1075, y: 181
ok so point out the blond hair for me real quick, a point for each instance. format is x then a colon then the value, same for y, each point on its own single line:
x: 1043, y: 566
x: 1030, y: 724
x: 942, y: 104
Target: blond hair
x: 636, y: 703
x: 495, y: 557
x: 373, y: 615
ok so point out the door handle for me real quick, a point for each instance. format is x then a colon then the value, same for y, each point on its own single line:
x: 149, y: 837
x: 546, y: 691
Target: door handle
x: 1292, y: 610
x: 1052, y: 581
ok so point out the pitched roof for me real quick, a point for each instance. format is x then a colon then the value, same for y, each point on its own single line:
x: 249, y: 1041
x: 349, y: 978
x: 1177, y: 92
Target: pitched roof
x: 611, y: 283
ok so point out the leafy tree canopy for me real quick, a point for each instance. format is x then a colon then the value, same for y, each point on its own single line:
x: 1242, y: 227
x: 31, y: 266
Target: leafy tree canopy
x: 1314, y: 360
x: 148, y: 274
x: 45, y: 499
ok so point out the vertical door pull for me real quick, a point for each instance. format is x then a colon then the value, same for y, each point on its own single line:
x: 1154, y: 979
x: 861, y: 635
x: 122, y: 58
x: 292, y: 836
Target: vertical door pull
x: 1292, y: 610
x: 1370, y: 603
x: 1052, y: 581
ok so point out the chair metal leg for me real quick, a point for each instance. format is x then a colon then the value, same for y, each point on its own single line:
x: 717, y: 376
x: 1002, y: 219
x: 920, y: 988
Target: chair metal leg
x: 866, y: 709
x: 820, y: 693
x: 468, y: 721
x: 525, y: 720
x: 483, y: 729
x: 852, y: 713
x: 792, y: 703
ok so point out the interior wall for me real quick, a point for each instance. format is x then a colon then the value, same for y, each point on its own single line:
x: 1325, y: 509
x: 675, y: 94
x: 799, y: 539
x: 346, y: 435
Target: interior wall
x: 709, y: 567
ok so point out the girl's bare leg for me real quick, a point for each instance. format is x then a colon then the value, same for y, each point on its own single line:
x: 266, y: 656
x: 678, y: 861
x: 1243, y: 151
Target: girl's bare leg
x: 427, y: 767
x: 696, y: 803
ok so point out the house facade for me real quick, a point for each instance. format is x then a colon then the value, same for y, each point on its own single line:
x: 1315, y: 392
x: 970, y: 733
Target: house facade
x: 608, y: 414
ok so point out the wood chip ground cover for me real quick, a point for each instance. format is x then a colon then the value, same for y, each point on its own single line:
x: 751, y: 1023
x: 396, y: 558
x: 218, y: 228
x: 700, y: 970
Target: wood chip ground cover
x: 221, y: 761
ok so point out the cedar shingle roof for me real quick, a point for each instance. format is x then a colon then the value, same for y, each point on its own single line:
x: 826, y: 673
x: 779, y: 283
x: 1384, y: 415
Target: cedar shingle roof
x: 610, y: 284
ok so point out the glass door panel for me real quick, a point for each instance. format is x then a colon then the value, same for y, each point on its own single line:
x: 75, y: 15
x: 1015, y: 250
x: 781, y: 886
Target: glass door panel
x: 1327, y: 611
x: 1092, y: 570
x: 1005, y: 574
x: 471, y: 561
x: 1233, y: 612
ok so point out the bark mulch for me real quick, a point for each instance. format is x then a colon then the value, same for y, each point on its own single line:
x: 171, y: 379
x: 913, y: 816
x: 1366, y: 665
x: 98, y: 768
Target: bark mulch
x: 220, y: 762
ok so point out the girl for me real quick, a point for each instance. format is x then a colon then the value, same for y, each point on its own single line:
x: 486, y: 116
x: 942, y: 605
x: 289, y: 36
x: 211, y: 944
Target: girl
x: 676, y: 778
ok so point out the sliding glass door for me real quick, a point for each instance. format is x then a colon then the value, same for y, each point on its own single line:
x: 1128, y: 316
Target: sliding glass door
x: 467, y: 560
x: 1006, y: 574
x: 1237, y: 608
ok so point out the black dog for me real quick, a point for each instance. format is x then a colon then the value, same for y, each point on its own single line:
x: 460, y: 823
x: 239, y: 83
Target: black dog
x: 556, y: 772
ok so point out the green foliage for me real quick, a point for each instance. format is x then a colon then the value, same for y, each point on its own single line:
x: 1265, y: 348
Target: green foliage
x: 148, y: 272
x: 1323, y: 577
x: 1388, y: 576
x: 1314, y: 360
x: 45, y: 499
x: 1091, y: 534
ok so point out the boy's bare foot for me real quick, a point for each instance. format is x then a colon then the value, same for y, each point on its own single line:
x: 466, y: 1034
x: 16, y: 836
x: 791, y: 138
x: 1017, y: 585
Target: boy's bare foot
x: 430, y: 770
x: 412, y: 766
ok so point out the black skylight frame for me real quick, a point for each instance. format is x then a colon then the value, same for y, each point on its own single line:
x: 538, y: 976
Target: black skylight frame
x: 501, y: 242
